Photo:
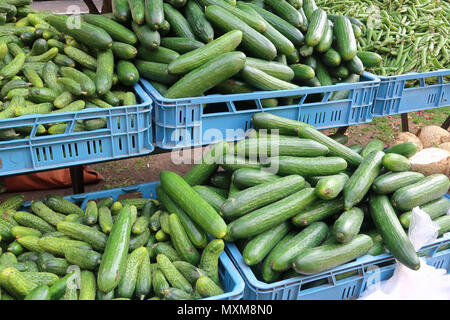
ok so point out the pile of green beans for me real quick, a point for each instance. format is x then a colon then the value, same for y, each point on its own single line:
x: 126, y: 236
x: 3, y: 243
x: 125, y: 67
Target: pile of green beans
x: 410, y: 35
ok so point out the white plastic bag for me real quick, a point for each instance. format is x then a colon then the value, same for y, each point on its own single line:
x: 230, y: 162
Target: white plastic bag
x: 427, y: 283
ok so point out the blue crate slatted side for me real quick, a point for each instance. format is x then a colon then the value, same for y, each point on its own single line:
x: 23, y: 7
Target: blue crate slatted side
x: 394, y: 97
x: 128, y: 133
x: 183, y: 122
x: 328, y: 285
x: 232, y: 282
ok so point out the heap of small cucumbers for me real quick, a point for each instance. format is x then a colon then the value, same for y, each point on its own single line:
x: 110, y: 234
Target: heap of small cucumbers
x: 303, y: 202
x: 128, y: 249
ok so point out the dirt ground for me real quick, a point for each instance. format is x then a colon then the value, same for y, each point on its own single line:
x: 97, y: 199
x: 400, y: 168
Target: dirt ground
x: 147, y: 168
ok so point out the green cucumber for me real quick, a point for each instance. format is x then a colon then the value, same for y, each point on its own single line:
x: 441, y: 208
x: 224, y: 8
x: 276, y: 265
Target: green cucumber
x: 355, y: 65
x: 85, y: 259
x: 317, y: 27
x: 213, y: 198
x: 181, y: 44
x: 12, y: 68
x: 154, y: 13
x: 406, y: 149
x: 137, y: 10
x: 159, y: 281
x: 32, y: 221
x: 331, y: 58
x: 392, y: 181
x: 307, y: 166
x: 139, y: 240
x: 425, y: 190
x: 319, y: 259
x: 331, y: 186
x: 374, y: 144
x: 336, y: 149
x: 47, y: 214
x: 81, y: 57
x: 318, y: 211
x: 122, y: 50
x: 254, y: 43
x: 155, y: 71
x: 88, y: 286
x: 286, y: 11
x: 15, y: 283
x: 201, y: 27
x: 121, y: 10
x: 144, y: 277
x: 260, y: 195
x: 267, y: 273
x: 105, y: 71
x: 86, y: 33
x: 302, y: 72
x: 269, y: 121
x: 261, y: 80
x: 91, y: 213
x: 39, y: 293
x: 146, y: 36
x: 173, y: 276
x: 209, y: 260
x: 271, y: 215
x: 347, y: 226
x: 444, y: 224
x: 127, y: 282
x: 340, y: 72
x: 127, y: 72
x: 345, y: 38
x: 57, y: 246
x: 166, y: 249
x: 77, y: 231
x: 221, y: 180
x: 207, y: 288
x: 178, y: 22
x: 117, y: 31
x: 141, y: 225
x: 193, y: 204
x: 197, y: 236
x: 369, y: 59
x: 326, y: 40
x: 396, y: 162
x: 246, y: 177
x: 208, y: 166
x: 391, y: 230
x: 309, y: 6
x: 207, y: 76
x: 189, y: 271
x: 30, y: 243
x: 20, y: 232
x: 258, y: 248
x: 435, y: 209
x: 161, y: 55
x: 359, y: 183
x: 181, y: 241
x: 194, y: 59
x: 309, y: 237
x: 273, y: 68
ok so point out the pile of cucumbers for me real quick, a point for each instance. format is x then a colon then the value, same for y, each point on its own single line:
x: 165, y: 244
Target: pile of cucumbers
x: 302, y: 202
x: 112, y: 250
x: 46, y: 68
x: 197, y: 47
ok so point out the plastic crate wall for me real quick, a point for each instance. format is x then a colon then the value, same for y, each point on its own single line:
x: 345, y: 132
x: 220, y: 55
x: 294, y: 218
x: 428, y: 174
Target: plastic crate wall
x: 181, y: 123
x: 232, y: 282
x: 128, y: 133
x: 394, y: 97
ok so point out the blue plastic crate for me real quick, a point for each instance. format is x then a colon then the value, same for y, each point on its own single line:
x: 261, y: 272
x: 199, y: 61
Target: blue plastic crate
x: 394, y: 97
x: 325, y: 285
x: 231, y: 280
x: 128, y: 133
x: 181, y: 123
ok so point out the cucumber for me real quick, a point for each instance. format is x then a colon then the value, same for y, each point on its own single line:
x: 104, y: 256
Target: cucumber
x: 127, y: 282
x: 392, y: 181
x: 269, y: 121
x: 181, y: 241
x: 245, y: 177
x: 340, y: 72
x: 86, y: 33
x: 209, y: 260
x: 275, y: 69
x: 39, y: 293
x: 115, y: 253
x: 155, y: 71
x: 319, y: 259
x: 396, y: 162
x: 121, y: 10
x: 261, y: 80
x: 139, y: 240
x: 252, y: 41
x: 146, y: 36
x: 221, y: 180
x: 258, y: 247
x: 307, y: 238
x: 29, y: 242
x: 359, y: 183
x: 326, y: 40
x: 57, y: 246
x: 302, y: 72
x: 331, y: 186
x: 286, y: 11
x: 83, y: 233
x: 369, y: 59
x: 267, y: 273
x: 178, y: 22
x: 201, y: 27
x: 207, y: 76
x: 207, y: 288
x: 161, y: 55
x: 435, y: 209
x: 180, y: 44
x: 29, y: 220
x: 336, y: 149
x: 194, y: 59
x: 117, y: 31
x: 309, y: 6
x: 154, y: 13
x: 345, y: 38
x: 85, y: 259
x: 91, y: 213
x: 144, y: 277
x: 318, y: 211
x: 391, y: 230
x: 271, y: 215
x: 82, y: 58
x: 347, y: 226
x: 189, y: 271
x: 331, y: 58
x: 355, y: 66
x: 141, y: 225
x: 13, y: 67
x: 307, y: 166
x: 137, y: 10
x: 159, y: 281
x: 213, y: 198
x: 127, y: 72
x: 406, y: 149
x: 105, y: 71
x: 193, y: 204
x: 88, y: 286
x: 283, y: 26
x: 173, y: 276
x: 15, y: 283
x: 317, y: 25
x: 54, y: 265
x: 444, y: 224
x: 166, y: 249
x: 260, y: 195
x: 197, y: 236
x: 282, y: 43
x: 45, y: 213
x: 425, y: 190
x: 20, y: 232
x: 164, y: 221
x: 374, y: 144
